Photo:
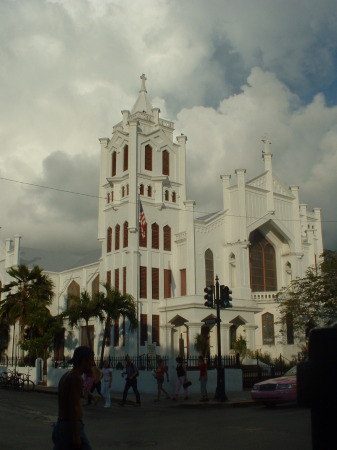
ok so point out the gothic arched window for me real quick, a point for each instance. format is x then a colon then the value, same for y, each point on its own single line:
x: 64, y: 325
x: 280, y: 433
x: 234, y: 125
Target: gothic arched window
x: 262, y: 264
x: 209, y: 267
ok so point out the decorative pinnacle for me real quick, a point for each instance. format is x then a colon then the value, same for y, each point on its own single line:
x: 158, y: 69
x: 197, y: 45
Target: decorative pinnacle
x: 143, y: 78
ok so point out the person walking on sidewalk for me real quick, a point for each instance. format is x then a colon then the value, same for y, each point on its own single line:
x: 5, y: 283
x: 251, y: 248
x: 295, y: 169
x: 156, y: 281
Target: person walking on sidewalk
x: 203, y: 379
x: 181, y: 377
x: 107, y: 379
x: 131, y: 373
x: 160, y: 374
x: 68, y: 432
x: 97, y: 385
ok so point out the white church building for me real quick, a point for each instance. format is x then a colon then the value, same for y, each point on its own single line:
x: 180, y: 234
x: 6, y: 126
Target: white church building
x: 261, y: 239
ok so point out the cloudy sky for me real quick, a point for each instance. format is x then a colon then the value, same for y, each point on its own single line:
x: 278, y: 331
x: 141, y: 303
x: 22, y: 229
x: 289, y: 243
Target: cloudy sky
x: 225, y: 71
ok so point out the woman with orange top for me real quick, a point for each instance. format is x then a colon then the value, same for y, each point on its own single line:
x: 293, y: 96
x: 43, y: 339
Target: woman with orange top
x: 160, y: 374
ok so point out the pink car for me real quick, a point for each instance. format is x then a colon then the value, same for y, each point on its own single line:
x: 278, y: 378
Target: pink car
x: 276, y: 390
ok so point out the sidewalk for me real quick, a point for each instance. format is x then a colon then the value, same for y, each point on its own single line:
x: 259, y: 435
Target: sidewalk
x: 235, y: 399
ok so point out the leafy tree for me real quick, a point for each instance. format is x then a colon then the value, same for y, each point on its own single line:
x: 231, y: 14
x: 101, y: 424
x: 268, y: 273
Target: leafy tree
x: 112, y: 305
x: 29, y: 289
x: 312, y: 300
x: 201, y: 344
x: 82, y: 308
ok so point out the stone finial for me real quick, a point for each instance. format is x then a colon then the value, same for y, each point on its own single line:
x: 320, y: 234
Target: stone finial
x: 143, y: 87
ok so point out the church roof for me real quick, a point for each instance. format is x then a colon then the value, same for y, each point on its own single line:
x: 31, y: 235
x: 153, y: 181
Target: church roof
x: 143, y: 103
x: 54, y: 261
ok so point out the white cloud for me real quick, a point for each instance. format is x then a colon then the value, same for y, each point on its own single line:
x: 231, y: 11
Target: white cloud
x: 226, y: 71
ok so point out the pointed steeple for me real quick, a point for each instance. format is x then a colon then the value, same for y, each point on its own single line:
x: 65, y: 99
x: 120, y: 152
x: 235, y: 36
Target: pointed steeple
x: 143, y: 103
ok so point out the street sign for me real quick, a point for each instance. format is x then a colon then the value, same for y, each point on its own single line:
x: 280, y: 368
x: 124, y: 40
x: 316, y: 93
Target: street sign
x: 210, y: 321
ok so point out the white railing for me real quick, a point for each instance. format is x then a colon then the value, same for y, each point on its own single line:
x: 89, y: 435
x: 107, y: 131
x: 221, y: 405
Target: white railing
x: 264, y: 295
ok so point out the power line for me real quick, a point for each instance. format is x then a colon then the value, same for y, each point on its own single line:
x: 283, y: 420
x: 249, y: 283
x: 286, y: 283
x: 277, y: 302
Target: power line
x: 97, y: 196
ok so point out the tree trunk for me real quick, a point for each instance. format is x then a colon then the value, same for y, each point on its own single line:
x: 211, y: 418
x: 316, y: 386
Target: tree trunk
x: 105, y: 335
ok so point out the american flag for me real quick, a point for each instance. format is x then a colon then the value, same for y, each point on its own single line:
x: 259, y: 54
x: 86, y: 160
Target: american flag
x: 142, y: 220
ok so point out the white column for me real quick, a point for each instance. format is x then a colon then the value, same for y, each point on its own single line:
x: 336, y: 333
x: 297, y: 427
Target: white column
x: 194, y: 328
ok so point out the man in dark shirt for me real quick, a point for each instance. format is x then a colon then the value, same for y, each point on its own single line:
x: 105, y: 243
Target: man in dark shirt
x: 68, y: 432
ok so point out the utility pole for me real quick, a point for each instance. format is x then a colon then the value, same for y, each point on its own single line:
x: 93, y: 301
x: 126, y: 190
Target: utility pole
x: 218, y: 298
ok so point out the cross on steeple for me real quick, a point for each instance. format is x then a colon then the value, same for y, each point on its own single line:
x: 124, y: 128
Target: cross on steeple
x: 267, y: 142
x: 143, y: 78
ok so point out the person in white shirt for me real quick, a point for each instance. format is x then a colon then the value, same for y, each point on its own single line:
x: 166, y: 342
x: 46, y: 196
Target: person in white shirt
x: 106, y: 384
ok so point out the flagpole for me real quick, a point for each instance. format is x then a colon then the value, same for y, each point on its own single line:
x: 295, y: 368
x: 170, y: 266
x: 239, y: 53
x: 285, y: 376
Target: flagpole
x: 137, y: 247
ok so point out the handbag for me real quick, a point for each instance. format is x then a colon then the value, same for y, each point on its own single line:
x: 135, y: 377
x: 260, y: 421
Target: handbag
x: 187, y: 384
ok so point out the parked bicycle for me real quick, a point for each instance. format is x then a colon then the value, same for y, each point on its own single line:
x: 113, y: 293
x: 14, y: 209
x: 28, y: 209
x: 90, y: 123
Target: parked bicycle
x: 16, y: 380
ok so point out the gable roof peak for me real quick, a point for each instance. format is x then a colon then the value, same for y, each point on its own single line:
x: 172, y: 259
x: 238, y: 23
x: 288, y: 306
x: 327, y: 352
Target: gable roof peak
x: 143, y: 104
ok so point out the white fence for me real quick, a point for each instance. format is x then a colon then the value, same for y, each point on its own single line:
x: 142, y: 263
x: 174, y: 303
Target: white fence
x: 148, y: 384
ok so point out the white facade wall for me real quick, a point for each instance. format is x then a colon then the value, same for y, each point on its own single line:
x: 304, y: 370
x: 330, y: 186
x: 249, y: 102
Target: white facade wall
x: 262, y: 203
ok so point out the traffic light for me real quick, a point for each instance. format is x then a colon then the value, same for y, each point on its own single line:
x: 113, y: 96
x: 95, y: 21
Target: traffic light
x: 225, y: 297
x: 208, y: 296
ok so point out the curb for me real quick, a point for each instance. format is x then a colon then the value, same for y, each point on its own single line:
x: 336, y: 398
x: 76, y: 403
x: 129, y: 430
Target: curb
x: 212, y: 404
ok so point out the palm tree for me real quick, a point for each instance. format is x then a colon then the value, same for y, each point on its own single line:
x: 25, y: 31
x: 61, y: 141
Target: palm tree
x: 82, y: 308
x: 112, y: 305
x: 29, y: 288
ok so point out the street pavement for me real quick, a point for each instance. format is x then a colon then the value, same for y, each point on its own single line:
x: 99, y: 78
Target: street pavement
x: 234, y: 399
